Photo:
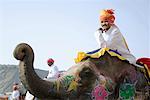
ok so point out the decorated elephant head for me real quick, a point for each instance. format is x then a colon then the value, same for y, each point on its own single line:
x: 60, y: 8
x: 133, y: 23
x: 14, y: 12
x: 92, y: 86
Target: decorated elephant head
x: 79, y: 81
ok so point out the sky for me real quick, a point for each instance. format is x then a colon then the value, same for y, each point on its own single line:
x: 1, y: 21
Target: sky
x: 59, y: 29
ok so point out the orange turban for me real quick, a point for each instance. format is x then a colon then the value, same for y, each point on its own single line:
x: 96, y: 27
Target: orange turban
x: 107, y: 15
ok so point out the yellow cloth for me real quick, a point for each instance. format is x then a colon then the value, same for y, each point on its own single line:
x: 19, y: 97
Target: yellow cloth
x: 82, y: 55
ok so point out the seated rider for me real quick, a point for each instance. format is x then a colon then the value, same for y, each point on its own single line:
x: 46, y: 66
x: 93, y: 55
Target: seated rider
x: 109, y: 36
x: 53, y: 70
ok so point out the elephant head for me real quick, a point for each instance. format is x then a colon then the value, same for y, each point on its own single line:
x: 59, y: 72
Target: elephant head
x: 79, y: 80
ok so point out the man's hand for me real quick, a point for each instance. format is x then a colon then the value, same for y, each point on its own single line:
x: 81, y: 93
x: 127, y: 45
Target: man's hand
x: 101, y: 30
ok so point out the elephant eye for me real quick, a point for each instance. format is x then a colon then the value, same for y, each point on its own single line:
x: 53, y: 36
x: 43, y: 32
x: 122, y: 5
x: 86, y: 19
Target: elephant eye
x: 87, y: 71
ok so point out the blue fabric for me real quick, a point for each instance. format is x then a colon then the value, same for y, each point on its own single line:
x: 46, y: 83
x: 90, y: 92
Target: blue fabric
x: 94, y: 51
x: 115, y: 51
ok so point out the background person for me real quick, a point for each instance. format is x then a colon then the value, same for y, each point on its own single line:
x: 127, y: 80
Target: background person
x: 52, y: 70
x: 15, y: 94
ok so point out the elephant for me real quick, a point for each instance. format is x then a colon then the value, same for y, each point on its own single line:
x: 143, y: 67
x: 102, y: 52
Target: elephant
x: 78, y: 82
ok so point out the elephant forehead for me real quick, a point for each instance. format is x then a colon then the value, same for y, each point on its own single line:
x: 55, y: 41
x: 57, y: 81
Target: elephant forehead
x: 81, y: 67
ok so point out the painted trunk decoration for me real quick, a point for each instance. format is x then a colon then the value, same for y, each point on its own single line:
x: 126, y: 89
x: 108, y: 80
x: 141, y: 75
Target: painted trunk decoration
x: 82, y: 80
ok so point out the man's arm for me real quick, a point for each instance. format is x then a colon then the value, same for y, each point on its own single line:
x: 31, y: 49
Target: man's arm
x: 100, y: 39
x: 116, y: 41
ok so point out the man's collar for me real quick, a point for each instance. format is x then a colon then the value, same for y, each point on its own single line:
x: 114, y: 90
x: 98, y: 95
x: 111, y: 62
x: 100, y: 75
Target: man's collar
x: 109, y: 30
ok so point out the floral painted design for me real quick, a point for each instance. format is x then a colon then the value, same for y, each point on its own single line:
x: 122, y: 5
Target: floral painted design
x: 73, y: 86
x: 110, y: 85
x: 127, y: 91
x: 99, y: 93
x: 67, y: 80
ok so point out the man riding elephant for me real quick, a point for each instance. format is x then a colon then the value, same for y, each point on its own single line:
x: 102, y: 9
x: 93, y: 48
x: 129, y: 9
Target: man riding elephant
x: 109, y: 36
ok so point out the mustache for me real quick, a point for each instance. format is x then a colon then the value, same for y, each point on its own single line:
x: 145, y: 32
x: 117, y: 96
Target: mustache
x: 104, y: 25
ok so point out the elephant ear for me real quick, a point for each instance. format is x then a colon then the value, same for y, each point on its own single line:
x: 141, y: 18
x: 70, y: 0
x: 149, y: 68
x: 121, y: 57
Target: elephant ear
x: 85, y: 74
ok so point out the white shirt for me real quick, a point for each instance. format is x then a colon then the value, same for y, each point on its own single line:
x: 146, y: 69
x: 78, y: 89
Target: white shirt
x: 15, y: 95
x: 53, y: 70
x: 114, y: 40
x: 29, y: 96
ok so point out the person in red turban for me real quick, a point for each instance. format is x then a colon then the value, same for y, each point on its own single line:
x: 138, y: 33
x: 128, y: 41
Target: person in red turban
x: 50, y: 61
x: 53, y: 70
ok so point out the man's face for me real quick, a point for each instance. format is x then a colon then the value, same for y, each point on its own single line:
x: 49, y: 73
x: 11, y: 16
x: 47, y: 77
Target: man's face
x: 105, y: 24
x: 50, y: 63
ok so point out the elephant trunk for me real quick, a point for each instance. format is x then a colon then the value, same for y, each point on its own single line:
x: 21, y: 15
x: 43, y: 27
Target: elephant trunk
x: 32, y: 82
